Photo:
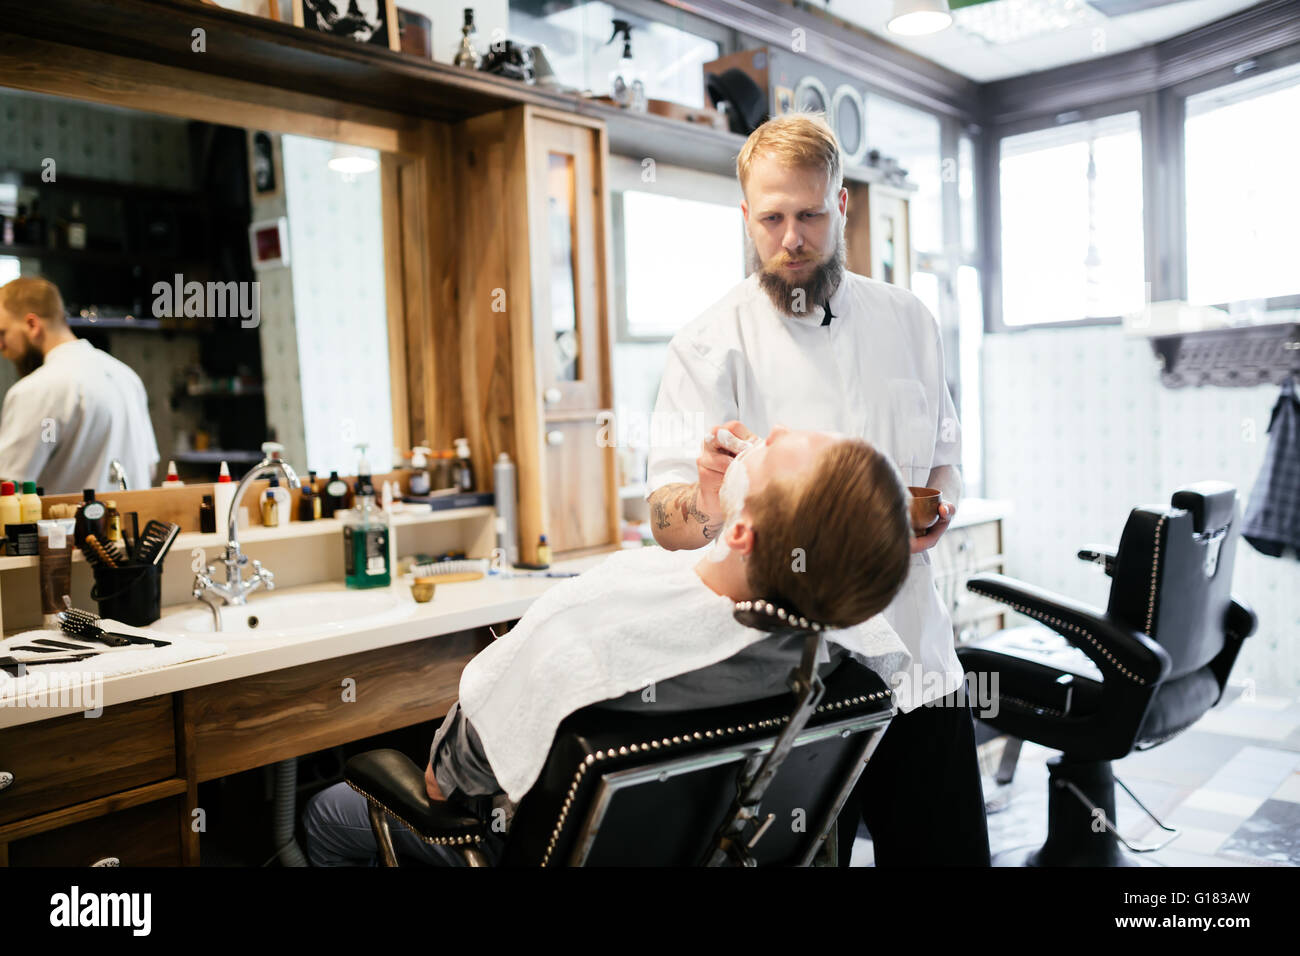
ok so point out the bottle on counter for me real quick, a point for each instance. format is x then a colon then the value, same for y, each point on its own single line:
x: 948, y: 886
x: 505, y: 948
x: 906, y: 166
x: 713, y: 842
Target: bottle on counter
x: 112, y: 521
x: 366, y: 534
x: 274, y: 503
x: 173, y: 479
x: 89, y: 518
x: 336, y: 496
x: 208, y: 515
x: 543, y: 551
x: 420, y: 470
x: 223, y: 494
x: 308, y: 501
x: 464, y: 468
x: 31, y: 503
x: 11, y: 508
x: 443, y: 476
x: 507, y: 522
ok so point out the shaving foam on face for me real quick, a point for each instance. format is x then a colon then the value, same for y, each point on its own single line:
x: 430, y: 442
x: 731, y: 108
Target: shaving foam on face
x: 732, y: 494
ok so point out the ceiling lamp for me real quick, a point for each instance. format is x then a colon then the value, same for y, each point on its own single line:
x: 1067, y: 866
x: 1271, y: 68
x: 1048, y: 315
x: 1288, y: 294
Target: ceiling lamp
x: 914, y: 18
x: 352, y: 160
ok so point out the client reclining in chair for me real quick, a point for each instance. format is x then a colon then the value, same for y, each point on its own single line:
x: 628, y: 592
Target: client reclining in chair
x: 815, y: 522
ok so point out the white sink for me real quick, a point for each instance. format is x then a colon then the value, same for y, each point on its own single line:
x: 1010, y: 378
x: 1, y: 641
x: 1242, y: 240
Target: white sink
x: 292, y: 615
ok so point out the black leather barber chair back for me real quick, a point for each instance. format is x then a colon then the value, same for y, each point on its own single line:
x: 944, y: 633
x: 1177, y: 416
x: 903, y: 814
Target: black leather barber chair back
x: 1098, y: 685
x: 753, y: 784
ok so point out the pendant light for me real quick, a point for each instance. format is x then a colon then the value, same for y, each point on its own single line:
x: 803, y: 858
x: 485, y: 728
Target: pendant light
x: 914, y: 18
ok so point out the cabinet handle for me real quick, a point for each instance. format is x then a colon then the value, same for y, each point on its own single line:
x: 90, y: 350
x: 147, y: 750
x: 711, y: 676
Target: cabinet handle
x: 107, y: 861
x: 555, y: 437
x: 6, y: 778
x: 552, y: 395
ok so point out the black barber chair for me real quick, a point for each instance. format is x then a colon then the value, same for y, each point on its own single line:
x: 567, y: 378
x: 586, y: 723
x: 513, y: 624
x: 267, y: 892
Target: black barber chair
x: 1096, y: 685
x: 753, y: 784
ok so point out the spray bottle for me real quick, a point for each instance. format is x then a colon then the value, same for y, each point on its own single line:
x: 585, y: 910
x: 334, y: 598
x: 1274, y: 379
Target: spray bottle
x: 625, y: 85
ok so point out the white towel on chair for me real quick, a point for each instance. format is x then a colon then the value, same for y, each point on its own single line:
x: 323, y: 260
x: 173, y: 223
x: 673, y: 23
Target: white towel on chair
x: 642, y: 615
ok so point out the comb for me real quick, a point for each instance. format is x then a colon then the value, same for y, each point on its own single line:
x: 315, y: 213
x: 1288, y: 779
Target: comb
x: 155, y: 541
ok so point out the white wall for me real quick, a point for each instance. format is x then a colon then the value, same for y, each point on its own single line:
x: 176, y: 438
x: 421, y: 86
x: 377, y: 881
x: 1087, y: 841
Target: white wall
x: 1079, y: 430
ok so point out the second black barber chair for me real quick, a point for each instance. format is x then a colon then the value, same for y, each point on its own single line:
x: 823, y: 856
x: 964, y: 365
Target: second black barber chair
x: 753, y: 784
x: 1097, y: 685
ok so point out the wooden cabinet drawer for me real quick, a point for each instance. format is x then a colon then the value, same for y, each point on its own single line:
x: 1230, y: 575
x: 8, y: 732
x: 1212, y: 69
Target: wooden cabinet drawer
x: 66, y: 760
x: 147, y: 835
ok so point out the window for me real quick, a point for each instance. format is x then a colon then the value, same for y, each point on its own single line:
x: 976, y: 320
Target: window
x: 680, y: 256
x: 1072, y: 237
x: 576, y: 37
x: 1243, y: 196
x: 966, y: 197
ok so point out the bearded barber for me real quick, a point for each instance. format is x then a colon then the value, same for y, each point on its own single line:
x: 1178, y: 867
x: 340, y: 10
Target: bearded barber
x: 805, y: 343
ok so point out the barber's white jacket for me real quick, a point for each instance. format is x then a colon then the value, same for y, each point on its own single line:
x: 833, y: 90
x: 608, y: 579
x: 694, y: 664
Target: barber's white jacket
x: 63, y: 423
x: 875, y: 372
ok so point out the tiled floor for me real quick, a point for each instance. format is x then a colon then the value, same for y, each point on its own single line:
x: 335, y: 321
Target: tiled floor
x: 1231, y: 785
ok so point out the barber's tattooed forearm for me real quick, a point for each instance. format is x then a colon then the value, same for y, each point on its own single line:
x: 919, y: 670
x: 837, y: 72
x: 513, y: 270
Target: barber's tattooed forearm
x: 691, y: 509
x: 660, y: 511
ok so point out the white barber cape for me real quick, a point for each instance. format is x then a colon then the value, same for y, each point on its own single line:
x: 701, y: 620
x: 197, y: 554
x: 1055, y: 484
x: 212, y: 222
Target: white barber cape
x: 640, y: 616
x: 875, y: 372
x: 63, y: 423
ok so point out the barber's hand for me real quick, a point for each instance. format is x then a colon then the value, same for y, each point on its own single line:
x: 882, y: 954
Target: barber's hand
x: 713, y: 461
x: 931, y: 537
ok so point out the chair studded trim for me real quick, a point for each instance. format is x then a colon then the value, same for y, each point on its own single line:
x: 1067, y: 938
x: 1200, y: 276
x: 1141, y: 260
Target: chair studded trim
x: 1155, y: 575
x: 1057, y: 624
x: 666, y: 743
x: 780, y: 613
x: 436, y: 841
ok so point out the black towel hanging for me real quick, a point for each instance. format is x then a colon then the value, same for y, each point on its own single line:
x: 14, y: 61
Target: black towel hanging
x: 1272, y: 520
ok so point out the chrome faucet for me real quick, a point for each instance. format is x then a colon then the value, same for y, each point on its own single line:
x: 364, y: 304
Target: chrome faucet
x: 235, y: 589
x: 117, y: 474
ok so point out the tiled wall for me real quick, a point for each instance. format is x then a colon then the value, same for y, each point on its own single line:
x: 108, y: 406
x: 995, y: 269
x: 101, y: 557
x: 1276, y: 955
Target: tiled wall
x: 336, y: 242
x: 1079, y: 430
x: 100, y: 142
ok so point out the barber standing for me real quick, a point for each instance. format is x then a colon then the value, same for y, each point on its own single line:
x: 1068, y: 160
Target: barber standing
x: 805, y: 343
x: 75, y: 408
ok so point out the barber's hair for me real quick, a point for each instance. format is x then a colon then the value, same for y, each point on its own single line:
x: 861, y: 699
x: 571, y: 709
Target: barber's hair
x: 32, y: 294
x: 800, y: 140
x: 834, y: 543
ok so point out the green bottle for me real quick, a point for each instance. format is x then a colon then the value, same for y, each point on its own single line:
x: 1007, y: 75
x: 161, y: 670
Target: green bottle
x: 365, y: 536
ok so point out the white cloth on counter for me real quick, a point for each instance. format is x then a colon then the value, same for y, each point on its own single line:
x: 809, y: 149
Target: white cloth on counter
x: 114, y: 663
x: 642, y: 615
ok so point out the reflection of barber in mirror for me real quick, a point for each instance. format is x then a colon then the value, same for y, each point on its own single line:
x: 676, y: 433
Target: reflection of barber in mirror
x: 806, y: 342
x: 75, y: 408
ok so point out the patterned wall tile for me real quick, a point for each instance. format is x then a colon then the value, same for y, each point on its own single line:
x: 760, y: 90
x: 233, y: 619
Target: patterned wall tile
x: 1079, y: 430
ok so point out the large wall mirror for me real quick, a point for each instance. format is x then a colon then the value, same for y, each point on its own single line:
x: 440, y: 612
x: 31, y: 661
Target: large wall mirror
x: 239, y: 273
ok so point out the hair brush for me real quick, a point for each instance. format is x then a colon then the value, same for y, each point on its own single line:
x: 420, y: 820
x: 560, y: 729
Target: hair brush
x: 88, y: 627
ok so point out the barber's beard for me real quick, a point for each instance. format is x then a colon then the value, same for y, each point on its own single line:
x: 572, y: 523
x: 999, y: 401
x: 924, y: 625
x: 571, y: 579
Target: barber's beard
x: 31, y: 359
x: 816, y: 287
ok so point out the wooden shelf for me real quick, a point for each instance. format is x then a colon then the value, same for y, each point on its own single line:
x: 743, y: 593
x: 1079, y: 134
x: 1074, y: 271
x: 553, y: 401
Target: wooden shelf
x: 293, y: 530
x: 239, y: 46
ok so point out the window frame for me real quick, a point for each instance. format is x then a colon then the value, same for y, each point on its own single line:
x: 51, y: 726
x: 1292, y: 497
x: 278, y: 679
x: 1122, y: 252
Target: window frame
x: 1175, y: 112
x: 1147, y: 108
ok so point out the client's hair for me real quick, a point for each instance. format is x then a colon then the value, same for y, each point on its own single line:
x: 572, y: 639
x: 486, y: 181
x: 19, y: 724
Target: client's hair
x: 834, y: 543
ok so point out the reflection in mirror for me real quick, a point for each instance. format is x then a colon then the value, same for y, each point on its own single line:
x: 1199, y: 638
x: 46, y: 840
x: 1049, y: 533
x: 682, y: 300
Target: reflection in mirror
x: 564, y: 311
x: 222, y: 287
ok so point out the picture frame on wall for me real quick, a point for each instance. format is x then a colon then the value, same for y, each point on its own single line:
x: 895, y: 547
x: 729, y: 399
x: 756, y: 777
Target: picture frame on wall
x: 268, y: 243
x: 373, y: 22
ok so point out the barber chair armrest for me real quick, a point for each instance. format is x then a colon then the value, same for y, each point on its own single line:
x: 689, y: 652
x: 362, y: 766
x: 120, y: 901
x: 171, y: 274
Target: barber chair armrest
x: 392, y: 780
x: 1099, y: 555
x: 1117, y: 650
